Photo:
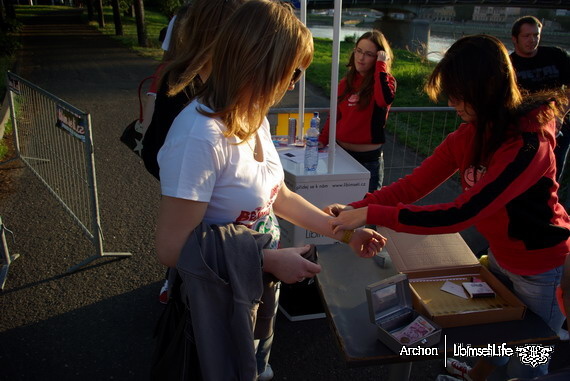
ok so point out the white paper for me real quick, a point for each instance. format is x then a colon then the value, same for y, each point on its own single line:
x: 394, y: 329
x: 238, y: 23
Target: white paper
x: 454, y: 289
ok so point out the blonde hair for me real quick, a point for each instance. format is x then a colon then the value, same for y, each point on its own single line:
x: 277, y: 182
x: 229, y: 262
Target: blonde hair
x: 253, y: 60
x: 196, y: 29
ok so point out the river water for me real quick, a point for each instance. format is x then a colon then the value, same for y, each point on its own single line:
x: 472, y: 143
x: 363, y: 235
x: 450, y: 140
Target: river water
x: 436, y: 47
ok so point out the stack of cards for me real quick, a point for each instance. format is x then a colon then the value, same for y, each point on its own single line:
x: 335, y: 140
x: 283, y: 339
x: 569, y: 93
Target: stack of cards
x: 414, y: 331
x: 478, y: 290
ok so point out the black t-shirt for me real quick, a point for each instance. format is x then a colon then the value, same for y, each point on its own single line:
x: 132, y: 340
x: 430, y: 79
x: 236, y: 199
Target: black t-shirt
x: 548, y: 69
x: 166, y: 109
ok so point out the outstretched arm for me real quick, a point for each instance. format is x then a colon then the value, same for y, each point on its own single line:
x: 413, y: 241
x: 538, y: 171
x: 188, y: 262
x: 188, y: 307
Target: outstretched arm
x: 297, y: 210
x: 349, y: 219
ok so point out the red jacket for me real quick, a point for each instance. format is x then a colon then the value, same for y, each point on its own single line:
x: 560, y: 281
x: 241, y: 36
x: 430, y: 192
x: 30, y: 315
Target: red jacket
x: 363, y: 126
x: 513, y: 204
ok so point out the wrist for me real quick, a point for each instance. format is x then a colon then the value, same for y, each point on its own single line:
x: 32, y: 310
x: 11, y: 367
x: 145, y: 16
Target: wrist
x: 347, y: 236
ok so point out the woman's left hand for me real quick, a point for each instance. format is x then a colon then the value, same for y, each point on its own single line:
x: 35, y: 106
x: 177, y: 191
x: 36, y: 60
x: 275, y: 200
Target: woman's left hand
x: 366, y: 243
x: 349, y: 219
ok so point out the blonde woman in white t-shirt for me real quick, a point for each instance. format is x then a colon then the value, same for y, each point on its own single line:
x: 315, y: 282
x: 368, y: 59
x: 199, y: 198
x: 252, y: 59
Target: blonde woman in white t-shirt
x: 218, y: 164
x: 255, y: 60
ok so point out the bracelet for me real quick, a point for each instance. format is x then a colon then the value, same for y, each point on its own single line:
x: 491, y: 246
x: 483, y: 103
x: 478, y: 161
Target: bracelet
x: 346, y: 237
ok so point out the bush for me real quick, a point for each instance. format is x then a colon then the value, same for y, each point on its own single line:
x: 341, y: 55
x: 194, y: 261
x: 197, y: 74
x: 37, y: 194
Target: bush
x: 170, y: 7
x: 8, y: 44
x: 350, y: 38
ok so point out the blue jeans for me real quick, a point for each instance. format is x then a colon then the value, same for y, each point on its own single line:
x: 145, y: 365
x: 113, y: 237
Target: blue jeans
x: 373, y: 161
x: 376, y: 169
x: 538, y: 293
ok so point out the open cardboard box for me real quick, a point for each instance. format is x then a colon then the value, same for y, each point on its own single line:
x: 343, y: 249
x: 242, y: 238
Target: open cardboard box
x: 430, y: 260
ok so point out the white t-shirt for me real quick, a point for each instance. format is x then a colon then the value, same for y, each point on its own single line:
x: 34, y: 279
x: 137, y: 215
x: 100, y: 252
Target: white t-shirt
x: 197, y: 162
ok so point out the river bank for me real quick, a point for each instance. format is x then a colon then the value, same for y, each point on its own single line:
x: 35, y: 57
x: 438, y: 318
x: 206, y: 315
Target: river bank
x: 502, y: 31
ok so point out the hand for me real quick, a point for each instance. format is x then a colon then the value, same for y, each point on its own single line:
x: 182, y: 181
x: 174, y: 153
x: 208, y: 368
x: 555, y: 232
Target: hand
x: 349, y: 219
x: 288, y: 265
x: 335, y: 209
x: 383, y: 56
x: 366, y: 243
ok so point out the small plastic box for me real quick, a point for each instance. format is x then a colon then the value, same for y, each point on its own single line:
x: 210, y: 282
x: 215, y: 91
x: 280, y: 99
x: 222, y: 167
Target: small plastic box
x: 390, y: 309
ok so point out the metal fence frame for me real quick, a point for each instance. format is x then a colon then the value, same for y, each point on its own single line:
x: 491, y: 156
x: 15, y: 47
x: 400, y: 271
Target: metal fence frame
x: 54, y: 139
x: 7, y: 259
x: 397, y: 135
x: 400, y: 157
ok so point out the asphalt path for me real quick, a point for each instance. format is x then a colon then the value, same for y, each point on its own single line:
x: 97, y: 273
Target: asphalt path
x: 97, y: 323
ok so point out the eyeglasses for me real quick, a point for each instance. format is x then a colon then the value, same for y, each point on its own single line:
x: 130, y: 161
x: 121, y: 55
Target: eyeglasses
x: 296, y: 75
x: 367, y: 54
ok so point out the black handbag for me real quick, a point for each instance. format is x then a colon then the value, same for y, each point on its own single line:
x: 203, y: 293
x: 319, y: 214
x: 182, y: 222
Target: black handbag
x: 133, y: 134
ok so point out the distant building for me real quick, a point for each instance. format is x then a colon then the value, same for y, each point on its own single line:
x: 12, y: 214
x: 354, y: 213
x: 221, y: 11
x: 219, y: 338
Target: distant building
x: 495, y: 14
x: 439, y: 14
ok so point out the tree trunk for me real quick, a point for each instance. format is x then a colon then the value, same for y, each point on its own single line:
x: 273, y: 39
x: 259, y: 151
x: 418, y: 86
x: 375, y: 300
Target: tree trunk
x: 89, y: 10
x: 117, y: 18
x: 3, y: 20
x: 141, y: 28
x: 10, y: 11
x: 100, y: 17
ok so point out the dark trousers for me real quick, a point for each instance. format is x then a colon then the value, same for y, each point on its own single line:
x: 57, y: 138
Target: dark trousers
x: 373, y: 161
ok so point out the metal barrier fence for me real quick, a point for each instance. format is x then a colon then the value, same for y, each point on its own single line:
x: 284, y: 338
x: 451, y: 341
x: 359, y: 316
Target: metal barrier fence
x: 53, y: 138
x: 5, y: 254
x: 412, y: 133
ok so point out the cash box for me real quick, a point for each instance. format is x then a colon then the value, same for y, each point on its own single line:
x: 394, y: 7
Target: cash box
x: 398, y: 324
x: 429, y: 261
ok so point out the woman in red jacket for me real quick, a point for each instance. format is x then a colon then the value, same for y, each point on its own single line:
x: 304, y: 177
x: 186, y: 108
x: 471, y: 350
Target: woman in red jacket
x: 365, y: 96
x: 504, y: 154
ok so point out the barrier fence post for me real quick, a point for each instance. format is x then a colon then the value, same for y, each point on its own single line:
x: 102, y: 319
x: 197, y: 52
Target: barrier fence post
x: 7, y: 259
x: 54, y: 139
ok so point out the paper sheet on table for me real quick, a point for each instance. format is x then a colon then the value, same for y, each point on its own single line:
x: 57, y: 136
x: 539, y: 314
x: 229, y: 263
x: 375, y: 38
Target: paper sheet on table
x: 297, y: 155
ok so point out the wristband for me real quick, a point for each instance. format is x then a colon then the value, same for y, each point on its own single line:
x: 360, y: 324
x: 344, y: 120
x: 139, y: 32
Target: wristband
x: 346, y: 237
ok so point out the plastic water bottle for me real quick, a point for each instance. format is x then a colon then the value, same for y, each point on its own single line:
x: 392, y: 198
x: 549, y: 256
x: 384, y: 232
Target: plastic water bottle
x: 312, y: 144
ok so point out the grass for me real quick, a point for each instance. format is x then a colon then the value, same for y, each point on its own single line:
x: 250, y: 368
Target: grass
x: 7, y: 132
x: 409, y: 69
x: 154, y: 22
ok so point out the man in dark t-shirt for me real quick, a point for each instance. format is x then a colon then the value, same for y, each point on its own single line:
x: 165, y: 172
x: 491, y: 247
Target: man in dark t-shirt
x: 540, y: 68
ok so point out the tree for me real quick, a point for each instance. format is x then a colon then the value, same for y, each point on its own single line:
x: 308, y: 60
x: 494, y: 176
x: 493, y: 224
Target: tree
x: 169, y: 7
x: 141, y: 28
x: 89, y: 10
x: 100, y: 16
x: 117, y: 18
x: 9, y: 11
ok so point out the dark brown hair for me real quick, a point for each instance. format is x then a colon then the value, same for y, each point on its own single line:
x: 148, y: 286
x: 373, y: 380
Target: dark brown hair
x: 478, y: 71
x: 367, y: 87
x: 516, y: 29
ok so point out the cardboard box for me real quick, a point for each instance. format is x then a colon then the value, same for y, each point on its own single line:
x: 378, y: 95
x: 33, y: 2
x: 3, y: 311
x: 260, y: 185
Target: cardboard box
x: 429, y: 261
x: 390, y: 309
